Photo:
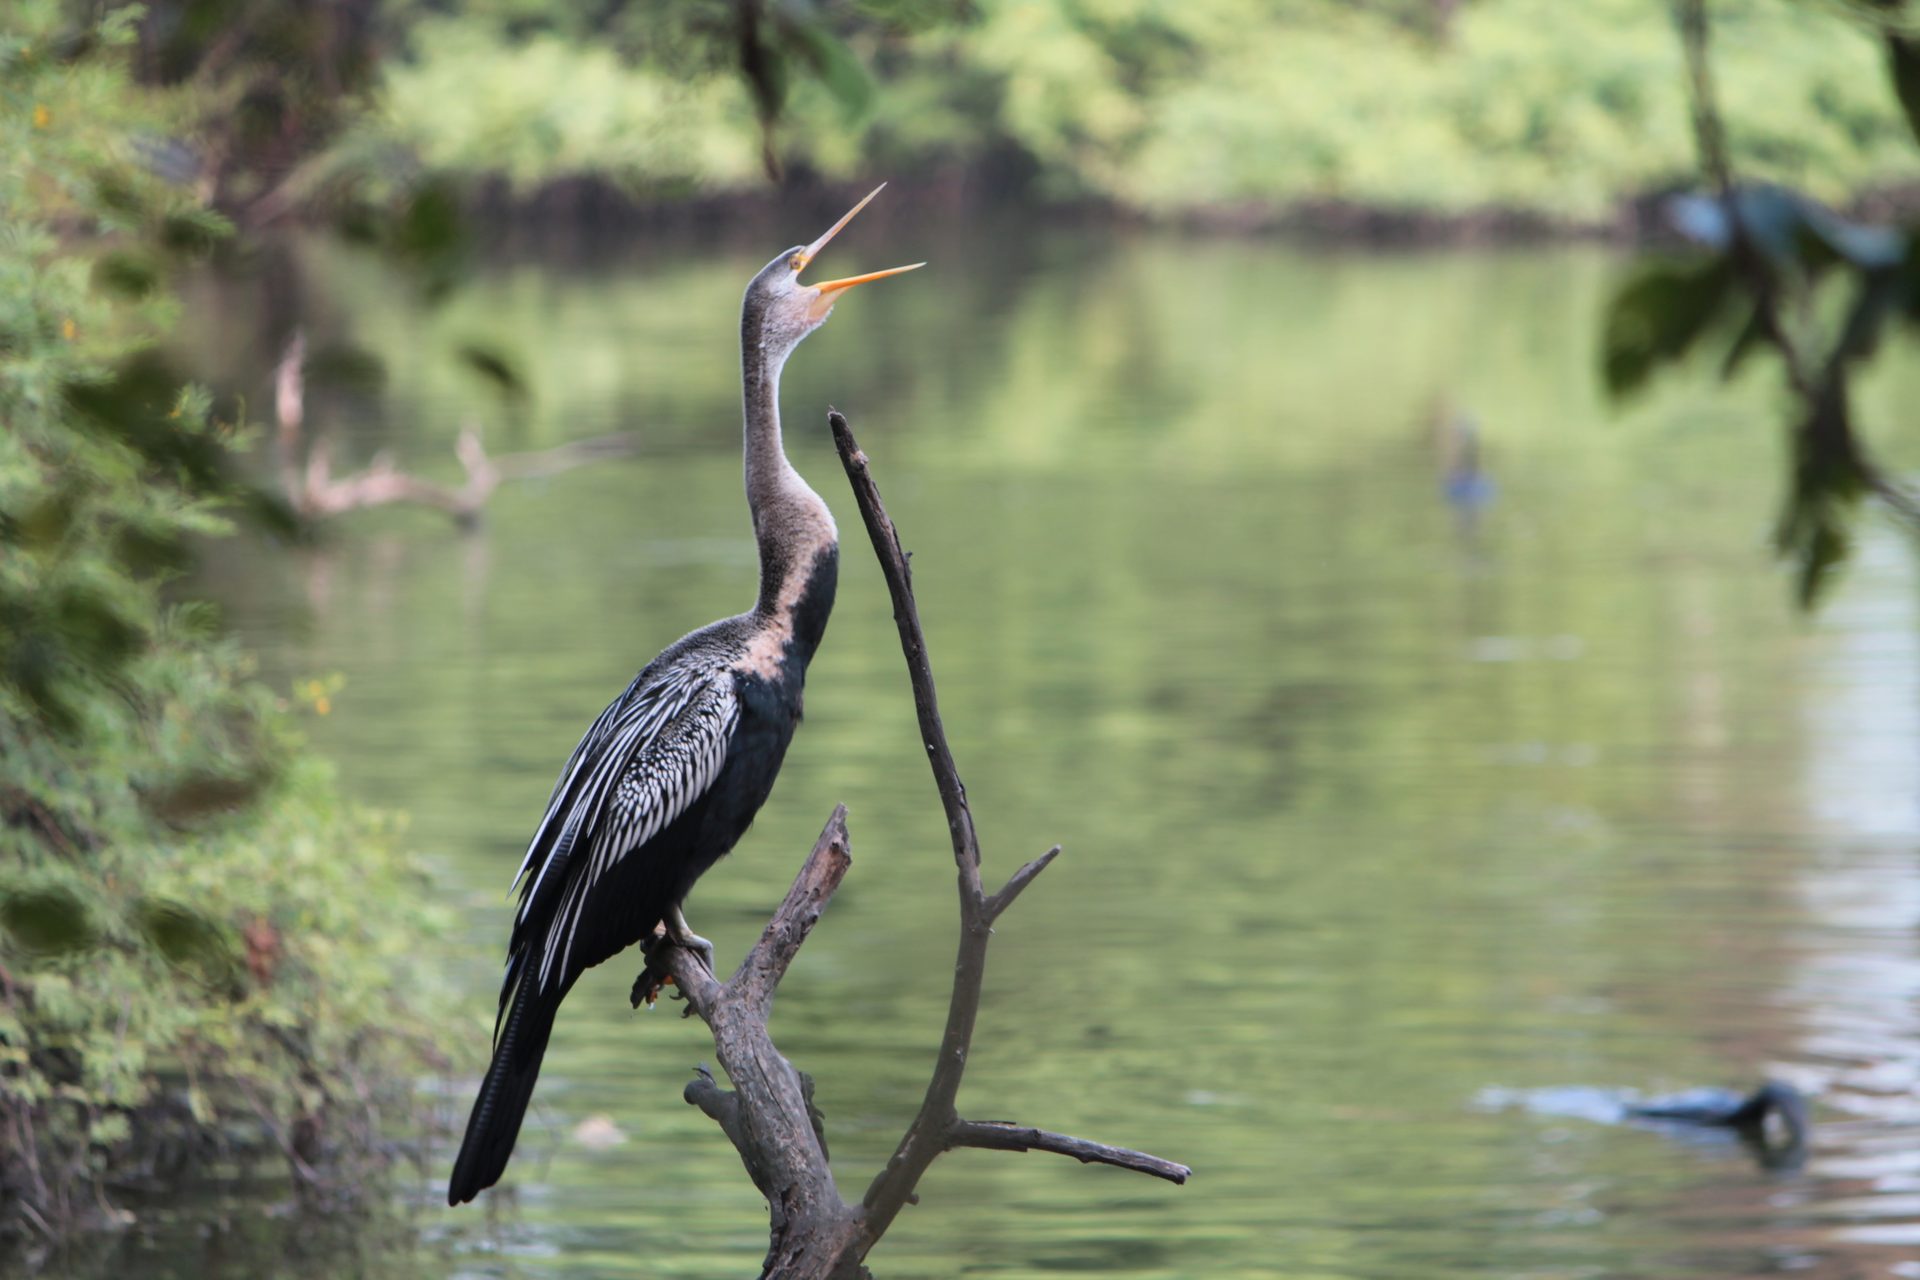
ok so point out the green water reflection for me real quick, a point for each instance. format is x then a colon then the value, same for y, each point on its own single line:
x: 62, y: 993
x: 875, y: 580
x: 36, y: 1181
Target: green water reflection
x: 1371, y: 802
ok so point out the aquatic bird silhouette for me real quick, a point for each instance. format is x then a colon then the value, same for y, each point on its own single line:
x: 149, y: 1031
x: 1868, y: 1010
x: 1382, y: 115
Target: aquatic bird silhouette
x: 671, y: 774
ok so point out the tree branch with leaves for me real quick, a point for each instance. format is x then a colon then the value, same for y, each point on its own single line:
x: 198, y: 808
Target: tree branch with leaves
x: 1759, y: 260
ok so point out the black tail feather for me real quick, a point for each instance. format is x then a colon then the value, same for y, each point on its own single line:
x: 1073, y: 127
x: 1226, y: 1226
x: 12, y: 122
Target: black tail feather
x: 494, y: 1125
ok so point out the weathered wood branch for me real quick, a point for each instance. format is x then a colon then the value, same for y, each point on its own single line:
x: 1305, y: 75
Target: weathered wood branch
x: 769, y: 1115
x: 1017, y: 883
x: 999, y: 1135
x: 315, y: 492
x: 938, y: 1125
x: 895, y: 565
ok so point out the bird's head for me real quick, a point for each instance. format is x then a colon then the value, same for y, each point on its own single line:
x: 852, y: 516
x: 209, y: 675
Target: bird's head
x: 779, y: 310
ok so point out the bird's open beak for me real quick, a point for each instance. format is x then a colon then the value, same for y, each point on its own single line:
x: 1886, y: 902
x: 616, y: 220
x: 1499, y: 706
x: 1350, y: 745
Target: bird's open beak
x: 826, y: 293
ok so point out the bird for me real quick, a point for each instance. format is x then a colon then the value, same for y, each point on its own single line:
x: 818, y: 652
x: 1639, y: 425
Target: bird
x: 671, y: 774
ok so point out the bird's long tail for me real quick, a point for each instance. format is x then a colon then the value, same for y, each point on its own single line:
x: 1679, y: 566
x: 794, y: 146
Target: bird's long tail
x: 497, y: 1112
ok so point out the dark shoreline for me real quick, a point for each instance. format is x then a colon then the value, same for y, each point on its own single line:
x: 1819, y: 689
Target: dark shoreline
x: 593, y: 209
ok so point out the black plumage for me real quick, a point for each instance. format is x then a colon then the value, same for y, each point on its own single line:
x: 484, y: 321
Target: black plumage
x: 672, y: 773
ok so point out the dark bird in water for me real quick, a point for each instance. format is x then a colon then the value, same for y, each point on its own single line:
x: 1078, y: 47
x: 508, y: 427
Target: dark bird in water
x: 671, y: 774
x: 1746, y: 1115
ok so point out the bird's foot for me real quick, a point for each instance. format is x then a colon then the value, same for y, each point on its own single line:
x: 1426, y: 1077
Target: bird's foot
x: 646, y: 987
x: 676, y: 930
x: 672, y: 931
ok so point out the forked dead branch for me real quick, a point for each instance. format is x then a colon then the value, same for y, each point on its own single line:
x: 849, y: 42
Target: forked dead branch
x: 769, y: 1114
x: 314, y: 492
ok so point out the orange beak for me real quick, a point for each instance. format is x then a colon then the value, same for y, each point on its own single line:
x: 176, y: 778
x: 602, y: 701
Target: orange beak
x: 824, y: 291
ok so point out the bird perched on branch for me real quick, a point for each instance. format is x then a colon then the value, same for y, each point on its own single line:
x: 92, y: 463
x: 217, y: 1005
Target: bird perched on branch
x: 673, y: 771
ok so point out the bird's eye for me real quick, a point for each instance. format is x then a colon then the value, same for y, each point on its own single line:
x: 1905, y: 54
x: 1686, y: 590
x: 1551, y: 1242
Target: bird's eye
x: 797, y: 262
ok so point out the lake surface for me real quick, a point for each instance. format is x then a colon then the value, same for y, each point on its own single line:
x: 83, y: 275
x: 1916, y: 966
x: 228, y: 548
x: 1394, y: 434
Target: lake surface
x: 1395, y: 794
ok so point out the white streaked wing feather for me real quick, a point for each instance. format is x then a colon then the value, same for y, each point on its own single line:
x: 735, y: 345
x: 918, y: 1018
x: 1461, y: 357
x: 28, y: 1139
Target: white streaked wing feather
x: 632, y: 717
x: 594, y: 734
x: 655, y: 764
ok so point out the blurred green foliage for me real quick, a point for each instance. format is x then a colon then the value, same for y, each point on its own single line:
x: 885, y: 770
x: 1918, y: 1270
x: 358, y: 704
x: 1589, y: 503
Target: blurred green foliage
x: 198, y: 941
x: 1775, y: 271
x: 1779, y: 272
x: 1222, y: 105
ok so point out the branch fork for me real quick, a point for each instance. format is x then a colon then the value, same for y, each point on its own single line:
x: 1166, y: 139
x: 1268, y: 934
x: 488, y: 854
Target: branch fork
x: 315, y: 492
x: 769, y: 1114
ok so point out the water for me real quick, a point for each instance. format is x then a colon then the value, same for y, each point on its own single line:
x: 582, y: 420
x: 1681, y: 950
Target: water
x: 1384, y: 781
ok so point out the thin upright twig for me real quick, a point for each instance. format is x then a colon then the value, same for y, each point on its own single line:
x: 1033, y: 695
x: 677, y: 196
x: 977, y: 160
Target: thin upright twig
x: 938, y: 1126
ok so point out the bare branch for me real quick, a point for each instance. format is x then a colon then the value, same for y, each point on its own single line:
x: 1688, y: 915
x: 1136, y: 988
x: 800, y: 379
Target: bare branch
x: 913, y: 642
x: 999, y: 1135
x: 932, y: 1129
x: 1017, y: 883
x: 314, y: 492
x: 780, y: 941
x: 769, y: 1114
x: 925, y: 1137
x: 793, y: 920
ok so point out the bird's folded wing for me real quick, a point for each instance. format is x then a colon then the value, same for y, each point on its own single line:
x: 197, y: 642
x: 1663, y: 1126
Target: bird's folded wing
x: 645, y: 760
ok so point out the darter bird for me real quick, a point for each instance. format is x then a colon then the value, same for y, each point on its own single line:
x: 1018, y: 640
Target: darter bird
x: 671, y: 774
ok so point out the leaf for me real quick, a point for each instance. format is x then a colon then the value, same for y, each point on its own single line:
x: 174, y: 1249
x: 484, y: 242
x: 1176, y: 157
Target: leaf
x: 115, y: 194
x: 1823, y: 547
x: 1907, y: 278
x: 184, y: 936
x: 833, y: 63
x: 1873, y: 303
x: 109, y: 1129
x: 496, y: 368
x: 273, y: 513
x: 1903, y: 62
x: 1656, y: 317
x: 151, y: 547
x: 137, y: 404
x: 92, y: 624
x: 194, y: 231
x: 126, y: 273
x: 46, y: 521
x: 1827, y: 484
x: 47, y: 921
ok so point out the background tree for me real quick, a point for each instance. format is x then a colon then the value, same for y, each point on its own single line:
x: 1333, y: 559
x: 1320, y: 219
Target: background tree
x: 197, y: 938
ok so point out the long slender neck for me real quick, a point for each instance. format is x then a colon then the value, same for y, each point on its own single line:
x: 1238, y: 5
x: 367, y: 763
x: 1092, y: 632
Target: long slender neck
x: 790, y: 522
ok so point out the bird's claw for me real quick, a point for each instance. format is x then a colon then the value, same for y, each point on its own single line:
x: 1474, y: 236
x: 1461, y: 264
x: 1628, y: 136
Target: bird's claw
x: 674, y: 929
x: 647, y: 987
